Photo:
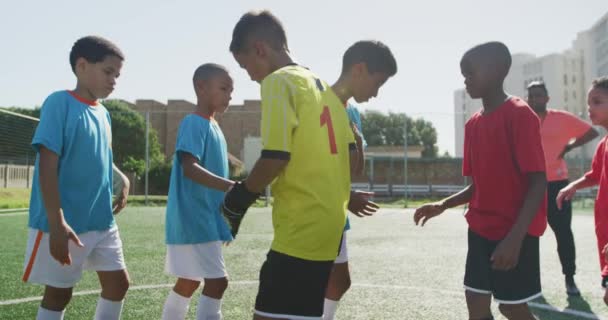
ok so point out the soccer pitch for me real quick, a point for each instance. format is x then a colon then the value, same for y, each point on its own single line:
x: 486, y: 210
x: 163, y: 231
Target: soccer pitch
x: 399, y: 271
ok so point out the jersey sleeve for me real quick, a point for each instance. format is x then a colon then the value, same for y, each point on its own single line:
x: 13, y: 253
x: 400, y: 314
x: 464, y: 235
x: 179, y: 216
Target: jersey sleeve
x: 278, y: 117
x: 598, y: 162
x: 191, y: 137
x: 526, y: 142
x: 49, y: 133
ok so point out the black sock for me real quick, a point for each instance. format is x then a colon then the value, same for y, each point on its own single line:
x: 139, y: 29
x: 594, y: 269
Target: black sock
x: 570, y: 279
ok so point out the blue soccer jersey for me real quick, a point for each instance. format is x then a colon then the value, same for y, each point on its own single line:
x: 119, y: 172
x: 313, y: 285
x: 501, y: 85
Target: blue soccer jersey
x: 193, y: 210
x: 79, y: 132
x: 355, y: 117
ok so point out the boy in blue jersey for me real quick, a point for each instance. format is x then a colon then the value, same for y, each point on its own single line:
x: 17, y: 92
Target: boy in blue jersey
x: 71, y: 222
x: 366, y: 66
x: 195, y: 229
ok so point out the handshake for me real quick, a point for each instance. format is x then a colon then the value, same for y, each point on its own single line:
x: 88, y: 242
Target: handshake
x: 236, y: 202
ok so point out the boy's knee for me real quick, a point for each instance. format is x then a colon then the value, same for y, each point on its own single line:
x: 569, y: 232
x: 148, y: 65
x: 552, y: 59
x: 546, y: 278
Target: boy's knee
x: 215, y: 288
x: 123, y: 286
x: 115, y: 290
x: 512, y: 311
x: 222, y: 284
x: 345, y: 283
x: 56, y: 299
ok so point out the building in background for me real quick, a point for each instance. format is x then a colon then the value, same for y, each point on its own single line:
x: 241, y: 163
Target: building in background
x: 567, y: 76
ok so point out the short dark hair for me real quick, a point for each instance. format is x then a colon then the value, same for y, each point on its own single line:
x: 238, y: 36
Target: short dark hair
x: 601, y: 82
x: 258, y: 25
x: 376, y: 55
x: 538, y: 84
x: 208, y: 71
x: 93, y: 49
x: 494, y: 53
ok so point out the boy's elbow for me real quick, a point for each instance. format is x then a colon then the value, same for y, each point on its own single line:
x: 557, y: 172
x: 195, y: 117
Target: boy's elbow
x: 126, y: 182
x: 539, y: 179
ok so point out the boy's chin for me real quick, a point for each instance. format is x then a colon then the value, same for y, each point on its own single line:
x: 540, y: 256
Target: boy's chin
x: 103, y: 95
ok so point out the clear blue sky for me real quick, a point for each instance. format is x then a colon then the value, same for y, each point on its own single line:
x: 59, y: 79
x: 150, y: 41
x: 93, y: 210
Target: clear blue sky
x: 164, y: 42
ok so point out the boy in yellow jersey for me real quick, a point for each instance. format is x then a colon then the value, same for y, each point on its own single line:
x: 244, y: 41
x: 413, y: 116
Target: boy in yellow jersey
x: 307, y: 142
x: 366, y: 66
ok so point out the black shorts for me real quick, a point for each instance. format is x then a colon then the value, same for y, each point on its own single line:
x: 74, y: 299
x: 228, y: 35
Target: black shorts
x: 518, y: 285
x: 291, y: 287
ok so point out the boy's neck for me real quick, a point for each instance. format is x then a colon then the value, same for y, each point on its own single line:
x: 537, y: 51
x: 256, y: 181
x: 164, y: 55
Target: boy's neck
x: 204, y: 110
x: 494, y: 99
x: 342, y: 89
x: 84, y: 93
x: 281, y: 60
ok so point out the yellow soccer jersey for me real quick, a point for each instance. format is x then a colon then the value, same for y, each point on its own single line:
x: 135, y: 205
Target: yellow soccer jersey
x: 305, y: 122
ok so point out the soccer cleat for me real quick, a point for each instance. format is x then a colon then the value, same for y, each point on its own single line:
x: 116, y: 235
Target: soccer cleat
x: 571, y: 288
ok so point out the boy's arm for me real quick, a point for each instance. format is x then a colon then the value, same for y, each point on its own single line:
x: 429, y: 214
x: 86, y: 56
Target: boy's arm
x: 506, y: 255
x: 568, y: 192
x: 59, y: 231
x: 124, y: 186
x: 579, y: 141
x: 264, y: 171
x: 360, y: 156
x: 430, y: 210
x: 355, y: 158
x: 195, y: 172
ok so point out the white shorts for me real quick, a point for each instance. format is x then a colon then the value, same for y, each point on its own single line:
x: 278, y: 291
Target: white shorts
x: 343, y: 254
x: 196, y: 261
x: 102, y: 251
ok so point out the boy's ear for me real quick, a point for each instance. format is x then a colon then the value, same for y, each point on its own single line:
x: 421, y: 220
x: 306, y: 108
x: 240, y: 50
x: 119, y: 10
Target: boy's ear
x: 81, y: 65
x: 200, y: 86
x: 260, y: 48
x: 358, y: 69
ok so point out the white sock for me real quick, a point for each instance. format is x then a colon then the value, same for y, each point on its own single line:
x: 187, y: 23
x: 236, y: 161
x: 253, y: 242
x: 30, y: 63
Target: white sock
x: 176, y: 307
x: 329, y: 309
x: 208, y: 309
x: 46, y: 314
x: 108, y: 310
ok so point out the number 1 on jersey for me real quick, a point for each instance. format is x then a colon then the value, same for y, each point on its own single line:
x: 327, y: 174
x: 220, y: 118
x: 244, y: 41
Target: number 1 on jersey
x: 326, y: 120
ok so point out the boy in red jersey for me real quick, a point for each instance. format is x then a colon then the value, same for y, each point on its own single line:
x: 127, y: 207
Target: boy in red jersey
x: 597, y: 100
x: 504, y: 157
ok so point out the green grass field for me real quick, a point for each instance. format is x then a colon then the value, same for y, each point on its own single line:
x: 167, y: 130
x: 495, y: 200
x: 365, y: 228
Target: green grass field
x: 14, y: 198
x: 399, y: 271
x: 18, y: 198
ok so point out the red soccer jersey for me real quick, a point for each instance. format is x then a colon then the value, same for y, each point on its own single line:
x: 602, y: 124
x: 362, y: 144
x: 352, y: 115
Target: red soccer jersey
x: 599, y: 174
x: 500, y: 149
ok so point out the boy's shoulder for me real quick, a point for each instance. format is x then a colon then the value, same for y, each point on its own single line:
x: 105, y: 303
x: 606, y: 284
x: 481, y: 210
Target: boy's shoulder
x: 60, y: 97
x: 195, y: 121
x: 518, y: 105
x: 514, y: 109
x: 294, y: 76
x: 562, y: 115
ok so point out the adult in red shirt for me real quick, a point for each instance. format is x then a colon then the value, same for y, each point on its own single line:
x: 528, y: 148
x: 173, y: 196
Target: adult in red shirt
x: 597, y: 100
x: 504, y: 157
x: 561, y: 132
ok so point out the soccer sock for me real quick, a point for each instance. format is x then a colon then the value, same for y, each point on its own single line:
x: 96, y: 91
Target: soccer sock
x: 108, y: 310
x: 209, y: 309
x: 329, y: 309
x: 176, y: 307
x: 569, y: 279
x: 46, y: 314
